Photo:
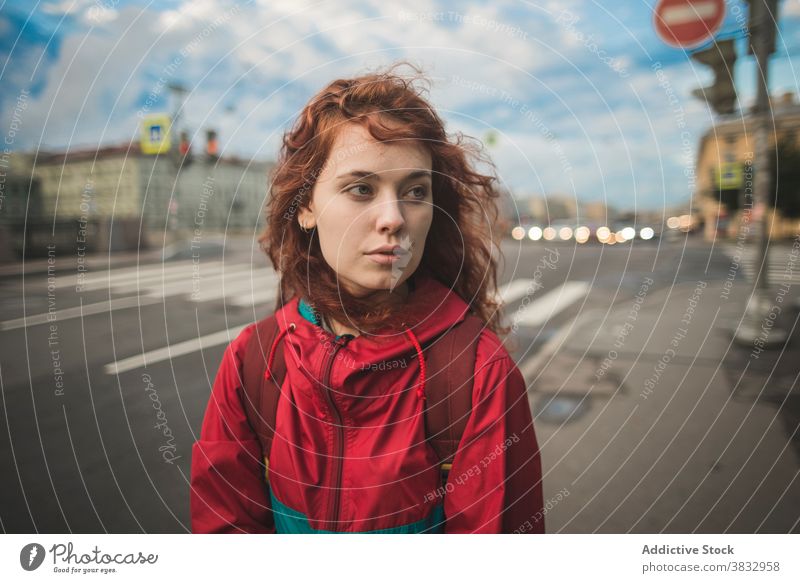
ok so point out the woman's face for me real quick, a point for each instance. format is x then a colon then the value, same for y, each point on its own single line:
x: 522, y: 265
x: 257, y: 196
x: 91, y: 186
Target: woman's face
x: 372, y: 206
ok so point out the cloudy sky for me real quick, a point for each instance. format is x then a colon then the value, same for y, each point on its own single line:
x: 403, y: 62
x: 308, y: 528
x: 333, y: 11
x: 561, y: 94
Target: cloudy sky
x: 583, y: 98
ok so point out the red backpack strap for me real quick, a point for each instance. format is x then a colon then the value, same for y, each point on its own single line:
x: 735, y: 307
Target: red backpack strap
x: 261, y: 395
x: 451, y: 360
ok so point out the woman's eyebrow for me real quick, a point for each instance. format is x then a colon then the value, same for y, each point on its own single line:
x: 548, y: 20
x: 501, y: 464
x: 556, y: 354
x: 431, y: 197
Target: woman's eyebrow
x: 366, y: 174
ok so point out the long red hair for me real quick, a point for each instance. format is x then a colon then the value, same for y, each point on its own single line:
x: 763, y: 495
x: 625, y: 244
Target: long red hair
x: 460, y: 250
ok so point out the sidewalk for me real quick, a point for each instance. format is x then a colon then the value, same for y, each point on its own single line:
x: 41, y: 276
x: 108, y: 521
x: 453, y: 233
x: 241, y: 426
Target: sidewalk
x: 674, y: 428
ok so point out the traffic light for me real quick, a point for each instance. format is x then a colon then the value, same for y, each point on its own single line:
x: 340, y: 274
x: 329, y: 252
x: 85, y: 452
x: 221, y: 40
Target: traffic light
x: 761, y: 24
x: 720, y: 56
x: 212, y: 148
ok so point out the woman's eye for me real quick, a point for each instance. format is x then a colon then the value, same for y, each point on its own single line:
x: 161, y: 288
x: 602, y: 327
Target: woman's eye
x: 418, y: 192
x: 359, y: 190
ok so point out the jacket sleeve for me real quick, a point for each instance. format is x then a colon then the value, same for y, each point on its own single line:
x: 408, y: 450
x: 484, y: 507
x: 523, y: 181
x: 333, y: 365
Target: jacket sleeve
x: 495, y: 483
x: 228, y: 489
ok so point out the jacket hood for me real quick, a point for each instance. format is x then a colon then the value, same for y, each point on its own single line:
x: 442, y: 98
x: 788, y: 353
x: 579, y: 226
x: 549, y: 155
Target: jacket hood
x: 431, y: 307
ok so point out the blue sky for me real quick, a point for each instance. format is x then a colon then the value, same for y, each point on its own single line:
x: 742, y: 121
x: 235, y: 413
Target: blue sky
x: 585, y: 100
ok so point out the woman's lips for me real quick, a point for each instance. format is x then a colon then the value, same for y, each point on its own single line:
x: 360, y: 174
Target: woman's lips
x: 387, y: 258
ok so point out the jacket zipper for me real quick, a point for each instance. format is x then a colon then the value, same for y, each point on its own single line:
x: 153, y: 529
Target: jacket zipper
x: 338, y: 434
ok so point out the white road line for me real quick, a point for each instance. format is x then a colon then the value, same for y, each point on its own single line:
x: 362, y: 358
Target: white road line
x: 779, y: 259
x: 187, y: 286
x: 542, y: 309
x: 514, y: 290
x: 774, y: 275
x: 248, y: 300
x: 530, y: 366
x: 88, y: 310
x: 240, y: 280
x: 173, y: 351
x: 235, y: 286
x: 131, y: 282
x: 114, y: 275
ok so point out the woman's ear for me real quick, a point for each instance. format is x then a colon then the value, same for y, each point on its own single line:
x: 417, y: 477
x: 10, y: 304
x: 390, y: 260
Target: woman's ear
x: 306, y: 219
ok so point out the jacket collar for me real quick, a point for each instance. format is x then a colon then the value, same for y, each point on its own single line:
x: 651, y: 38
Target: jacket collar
x: 431, y: 308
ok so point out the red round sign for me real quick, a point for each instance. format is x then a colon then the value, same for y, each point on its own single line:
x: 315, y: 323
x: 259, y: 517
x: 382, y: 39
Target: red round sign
x: 687, y: 23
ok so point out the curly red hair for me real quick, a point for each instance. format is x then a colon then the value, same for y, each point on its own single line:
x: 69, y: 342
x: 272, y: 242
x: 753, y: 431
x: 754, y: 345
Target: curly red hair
x: 460, y: 250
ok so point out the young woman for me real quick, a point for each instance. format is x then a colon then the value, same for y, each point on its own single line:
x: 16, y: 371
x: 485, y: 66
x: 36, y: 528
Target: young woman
x: 381, y: 228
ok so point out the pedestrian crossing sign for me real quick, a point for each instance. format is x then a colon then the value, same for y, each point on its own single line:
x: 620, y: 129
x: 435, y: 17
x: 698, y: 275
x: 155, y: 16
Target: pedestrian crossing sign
x: 155, y: 133
x: 729, y: 176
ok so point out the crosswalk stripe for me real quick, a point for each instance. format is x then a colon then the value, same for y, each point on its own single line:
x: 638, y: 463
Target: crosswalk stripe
x: 538, y: 312
x: 778, y: 260
x: 536, y: 361
x: 514, y: 290
x: 125, y: 273
x: 544, y: 308
x: 774, y: 276
x: 173, y: 351
x: 155, y: 294
x: 138, y: 281
x: 77, y: 311
x: 186, y: 285
x: 247, y: 300
x: 235, y: 287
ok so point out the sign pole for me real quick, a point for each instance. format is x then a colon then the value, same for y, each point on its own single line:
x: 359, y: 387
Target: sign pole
x: 755, y: 325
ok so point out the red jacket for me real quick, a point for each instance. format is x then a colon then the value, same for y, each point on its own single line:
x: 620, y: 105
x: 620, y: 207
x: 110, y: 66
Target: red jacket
x: 353, y: 457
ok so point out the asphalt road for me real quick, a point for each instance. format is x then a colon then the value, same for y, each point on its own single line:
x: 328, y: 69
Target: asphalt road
x: 708, y: 444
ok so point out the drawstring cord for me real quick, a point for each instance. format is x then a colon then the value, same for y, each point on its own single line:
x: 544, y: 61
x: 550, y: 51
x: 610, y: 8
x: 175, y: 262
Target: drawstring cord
x: 271, y: 357
x: 422, y: 377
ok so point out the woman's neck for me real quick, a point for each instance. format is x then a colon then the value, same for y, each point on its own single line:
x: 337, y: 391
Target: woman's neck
x: 338, y: 328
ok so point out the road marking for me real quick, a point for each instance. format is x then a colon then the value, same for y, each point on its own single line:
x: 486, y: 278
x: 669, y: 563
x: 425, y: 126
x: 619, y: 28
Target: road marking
x: 257, y: 298
x: 88, y: 310
x: 514, y: 290
x: 779, y: 260
x: 530, y: 366
x: 188, y: 285
x: 213, y: 287
x: 248, y: 282
x: 174, y: 350
x: 141, y: 280
x: 541, y: 310
x: 108, y: 277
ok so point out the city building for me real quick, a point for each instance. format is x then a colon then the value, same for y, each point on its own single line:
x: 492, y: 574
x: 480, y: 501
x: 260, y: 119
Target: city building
x: 117, y: 198
x: 724, y: 189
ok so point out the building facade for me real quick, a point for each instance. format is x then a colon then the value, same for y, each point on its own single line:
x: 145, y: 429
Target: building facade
x: 724, y: 191
x: 117, y: 198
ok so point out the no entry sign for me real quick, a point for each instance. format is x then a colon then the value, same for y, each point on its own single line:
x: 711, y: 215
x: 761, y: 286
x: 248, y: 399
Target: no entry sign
x: 687, y: 23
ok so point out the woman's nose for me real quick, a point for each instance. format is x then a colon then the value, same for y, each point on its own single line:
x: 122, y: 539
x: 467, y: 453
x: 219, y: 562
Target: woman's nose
x: 390, y: 216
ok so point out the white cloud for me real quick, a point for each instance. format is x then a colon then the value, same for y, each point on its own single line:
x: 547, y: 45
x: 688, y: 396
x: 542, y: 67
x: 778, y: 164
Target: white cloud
x: 790, y: 8
x: 66, y: 7
x: 235, y: 56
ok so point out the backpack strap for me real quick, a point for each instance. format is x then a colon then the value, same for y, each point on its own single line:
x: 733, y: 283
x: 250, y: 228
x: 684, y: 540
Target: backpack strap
x: 260, y: 394
x: 451, y: 360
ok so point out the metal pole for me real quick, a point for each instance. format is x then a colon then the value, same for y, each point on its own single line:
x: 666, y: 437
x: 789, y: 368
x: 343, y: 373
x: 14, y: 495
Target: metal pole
x: 756, y: 329
x: 761, y: 115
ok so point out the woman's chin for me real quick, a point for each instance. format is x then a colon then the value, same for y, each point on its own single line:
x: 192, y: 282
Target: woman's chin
x: 366, y: 286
